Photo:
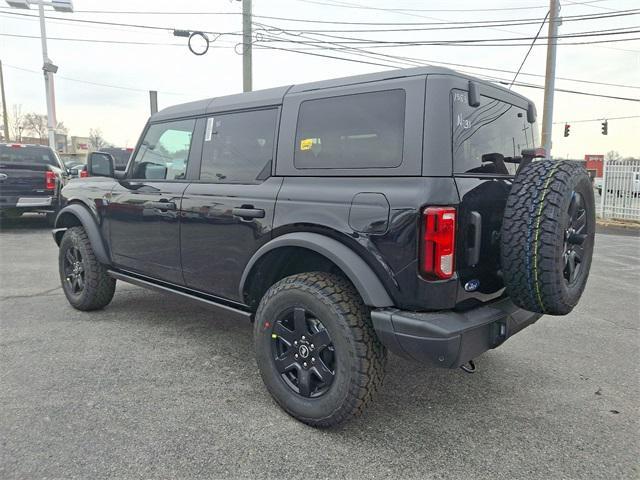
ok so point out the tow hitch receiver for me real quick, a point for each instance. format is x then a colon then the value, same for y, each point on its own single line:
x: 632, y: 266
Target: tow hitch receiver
x: 469, y: 367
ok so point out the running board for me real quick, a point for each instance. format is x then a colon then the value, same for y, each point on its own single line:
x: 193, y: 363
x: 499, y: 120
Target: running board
x: 162, y: 288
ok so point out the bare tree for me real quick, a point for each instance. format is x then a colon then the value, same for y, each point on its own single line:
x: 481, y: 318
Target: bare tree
x: 16, y: 123
x: 96, y: 140
x: 612, y: 155
x: 36, y: 125
x: 61, y: 128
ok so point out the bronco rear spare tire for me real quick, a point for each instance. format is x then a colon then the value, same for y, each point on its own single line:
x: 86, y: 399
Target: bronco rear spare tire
x: 547, y: 236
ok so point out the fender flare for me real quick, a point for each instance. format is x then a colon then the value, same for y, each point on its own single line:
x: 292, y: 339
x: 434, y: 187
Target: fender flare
x: 90, y: 226
x: 367, y: 283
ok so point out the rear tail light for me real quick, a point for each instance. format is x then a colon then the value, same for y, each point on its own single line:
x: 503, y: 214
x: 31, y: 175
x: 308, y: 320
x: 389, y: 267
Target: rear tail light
x: 84, y: 173
x: 50, y: 180
x: 438, y: 242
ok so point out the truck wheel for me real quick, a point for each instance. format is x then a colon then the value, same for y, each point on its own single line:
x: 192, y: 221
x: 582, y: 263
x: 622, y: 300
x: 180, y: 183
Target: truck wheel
x: 84, y: 280
x: 547, y: 236
x: 316, y: 348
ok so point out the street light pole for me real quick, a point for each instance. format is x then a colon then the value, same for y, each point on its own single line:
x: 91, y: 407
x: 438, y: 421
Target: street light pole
x: 47, y: 66
x: 48, y: 82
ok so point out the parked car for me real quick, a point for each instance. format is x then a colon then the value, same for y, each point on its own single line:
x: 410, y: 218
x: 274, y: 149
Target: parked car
x: 120, y: 155
x: 31, y: 177
x: 405, y: 211
x: 78, y: 171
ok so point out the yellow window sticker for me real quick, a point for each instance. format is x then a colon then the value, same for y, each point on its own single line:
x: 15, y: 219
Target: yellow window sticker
x: 306, y: 144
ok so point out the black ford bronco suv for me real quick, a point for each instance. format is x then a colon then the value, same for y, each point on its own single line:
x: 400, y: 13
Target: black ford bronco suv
x: 405, y: 211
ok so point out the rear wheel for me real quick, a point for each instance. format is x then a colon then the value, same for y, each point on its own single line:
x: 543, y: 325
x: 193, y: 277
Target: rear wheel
x: 316, y: 348
x: 547, y: 236
x: 84, y: 280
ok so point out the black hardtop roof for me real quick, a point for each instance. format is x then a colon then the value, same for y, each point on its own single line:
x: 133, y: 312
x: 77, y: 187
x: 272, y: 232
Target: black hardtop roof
x: 275, y: 96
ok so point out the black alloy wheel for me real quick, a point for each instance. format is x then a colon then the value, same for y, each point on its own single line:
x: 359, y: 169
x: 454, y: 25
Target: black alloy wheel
x: 575, y: 235
x: 303, y: 352
x: 85, y: 281
x: 316, y: 348
x: 74, y: 270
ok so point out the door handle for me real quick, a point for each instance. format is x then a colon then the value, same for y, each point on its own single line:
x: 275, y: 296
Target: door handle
x: 166, y: 205
x: 248, y: 213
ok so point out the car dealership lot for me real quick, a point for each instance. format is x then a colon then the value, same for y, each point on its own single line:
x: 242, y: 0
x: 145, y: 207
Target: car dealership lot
x: 156, y: 386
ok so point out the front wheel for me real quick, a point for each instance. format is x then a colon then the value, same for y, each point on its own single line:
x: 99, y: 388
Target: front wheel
x: 316, y: 348
x: 85, y: 281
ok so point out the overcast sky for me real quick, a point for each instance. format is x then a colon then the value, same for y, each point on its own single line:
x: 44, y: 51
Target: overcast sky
x: 179, y: 76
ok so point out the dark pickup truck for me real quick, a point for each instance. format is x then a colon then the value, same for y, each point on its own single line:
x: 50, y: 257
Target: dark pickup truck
x: 407, y: 210
x: 31, y: 177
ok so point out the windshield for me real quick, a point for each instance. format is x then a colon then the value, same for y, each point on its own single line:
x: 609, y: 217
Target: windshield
x: 28, y: 154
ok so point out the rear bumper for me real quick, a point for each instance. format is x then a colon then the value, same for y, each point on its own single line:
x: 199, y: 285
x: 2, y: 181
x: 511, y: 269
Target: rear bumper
x: 449, y: 339
x: 28, y: 202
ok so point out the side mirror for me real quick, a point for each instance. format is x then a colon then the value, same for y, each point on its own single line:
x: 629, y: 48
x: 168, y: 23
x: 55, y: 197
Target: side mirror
x: 101, y: 164
x: 532, y: 114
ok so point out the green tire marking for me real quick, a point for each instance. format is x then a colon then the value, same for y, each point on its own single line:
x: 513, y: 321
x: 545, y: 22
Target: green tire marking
x: 545, y: 190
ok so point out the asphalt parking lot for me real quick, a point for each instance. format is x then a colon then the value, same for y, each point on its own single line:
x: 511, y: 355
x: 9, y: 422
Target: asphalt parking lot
x: 155, y: 386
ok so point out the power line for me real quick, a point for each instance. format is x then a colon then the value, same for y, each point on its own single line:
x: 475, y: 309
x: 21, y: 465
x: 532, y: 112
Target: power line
x: 530, y: 48
x: 451, y: 10
x: 412, y: 60
x: 88, y: 82
x: 463, y: 25
x: 614, y: 13
x: 422, y: 61
x: 94, y: 40
x: 597, y: 119
x: 117, y: 24
x: 498, y: 80
x: 414, y: 64
x: 350, y: 39
x: 592, y: 33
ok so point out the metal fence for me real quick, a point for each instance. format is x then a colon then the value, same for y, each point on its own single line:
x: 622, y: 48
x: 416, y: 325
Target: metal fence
x: 620, y: 191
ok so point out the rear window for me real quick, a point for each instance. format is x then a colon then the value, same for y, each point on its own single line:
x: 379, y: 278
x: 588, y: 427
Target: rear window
x: 495, y: 127
x: 364, y: 130
x: 37, y: 155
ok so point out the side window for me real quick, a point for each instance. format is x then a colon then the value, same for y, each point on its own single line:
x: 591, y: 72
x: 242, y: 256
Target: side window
x: 485, y: 135
x: 164, y: 151
x: 238, y: 147
x: 364, y: 130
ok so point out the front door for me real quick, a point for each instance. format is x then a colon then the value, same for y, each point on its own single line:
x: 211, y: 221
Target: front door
x: 144, y: 209
x: 228, y: 213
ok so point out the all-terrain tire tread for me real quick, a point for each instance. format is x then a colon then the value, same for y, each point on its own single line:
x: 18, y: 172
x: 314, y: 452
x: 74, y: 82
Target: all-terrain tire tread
x: 530, y: 235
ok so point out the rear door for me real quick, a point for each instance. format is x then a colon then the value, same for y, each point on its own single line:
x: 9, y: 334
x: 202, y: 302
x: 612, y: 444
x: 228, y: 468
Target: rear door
x: 228, y: 213
x: 144, y: 209
x: 483, y: 137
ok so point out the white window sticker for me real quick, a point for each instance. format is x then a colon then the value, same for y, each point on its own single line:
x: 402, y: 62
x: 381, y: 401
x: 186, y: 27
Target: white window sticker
x: 208, y: 130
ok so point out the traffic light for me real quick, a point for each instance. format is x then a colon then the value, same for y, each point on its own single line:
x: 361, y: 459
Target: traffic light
x: 605, y: 127
x: 566, y: 129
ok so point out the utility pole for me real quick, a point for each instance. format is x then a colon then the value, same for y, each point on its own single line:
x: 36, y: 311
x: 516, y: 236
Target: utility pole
x: 550, y: 76
x: 247, y: 74
x: 5, y: 117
